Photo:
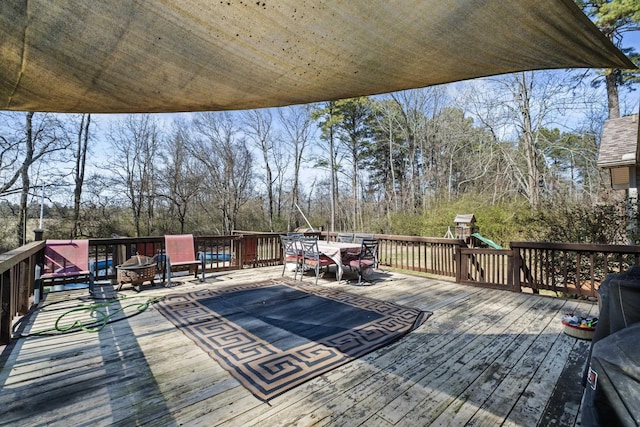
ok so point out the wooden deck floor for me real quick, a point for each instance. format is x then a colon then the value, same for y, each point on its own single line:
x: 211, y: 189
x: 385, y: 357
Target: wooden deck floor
x: 485, y: 358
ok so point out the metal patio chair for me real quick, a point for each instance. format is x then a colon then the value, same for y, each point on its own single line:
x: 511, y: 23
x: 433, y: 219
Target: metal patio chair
x: 66, y: 262
x: 292, y: 253
x: 345, y: 237
x: 180, y: 254
x: 312, y: 258
x: 367, y: 260
x: 359, y: 237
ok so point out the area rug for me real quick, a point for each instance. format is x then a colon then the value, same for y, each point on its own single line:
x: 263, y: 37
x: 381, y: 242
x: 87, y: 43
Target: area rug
x: 273, y: 336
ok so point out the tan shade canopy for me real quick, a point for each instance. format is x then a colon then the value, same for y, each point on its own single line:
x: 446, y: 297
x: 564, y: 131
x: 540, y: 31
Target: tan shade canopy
x: 206, y: 55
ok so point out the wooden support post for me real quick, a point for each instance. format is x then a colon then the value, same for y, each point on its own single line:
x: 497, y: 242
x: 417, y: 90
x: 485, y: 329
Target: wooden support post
x: 459, y: 258
x: 516, y: 264
x: 5, y: 307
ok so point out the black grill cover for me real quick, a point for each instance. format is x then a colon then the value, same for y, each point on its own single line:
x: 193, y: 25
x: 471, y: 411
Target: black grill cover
x: 612, y: 376
x: 612, y: 395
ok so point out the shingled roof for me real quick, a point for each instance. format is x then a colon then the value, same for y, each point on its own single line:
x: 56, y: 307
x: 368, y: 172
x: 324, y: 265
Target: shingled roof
x: 464, y: 219
x: 619, y: 145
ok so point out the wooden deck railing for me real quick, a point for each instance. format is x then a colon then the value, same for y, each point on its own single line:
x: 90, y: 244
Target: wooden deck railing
x: 221, y: 253
x: 421, y: 254
x: 570, y: 269
x: 17, y: 281
x: 491, y: 268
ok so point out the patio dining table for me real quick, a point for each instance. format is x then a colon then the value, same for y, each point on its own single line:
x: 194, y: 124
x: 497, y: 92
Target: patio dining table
x: 336, y: 251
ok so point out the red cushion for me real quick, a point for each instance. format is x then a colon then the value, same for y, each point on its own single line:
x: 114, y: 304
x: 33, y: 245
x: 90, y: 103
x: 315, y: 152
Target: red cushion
x: 364, y: 263
x: 324, y: 261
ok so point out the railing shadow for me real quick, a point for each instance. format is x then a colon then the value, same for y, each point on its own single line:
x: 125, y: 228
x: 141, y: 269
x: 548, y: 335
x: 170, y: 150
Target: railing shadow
x: 71, y: 375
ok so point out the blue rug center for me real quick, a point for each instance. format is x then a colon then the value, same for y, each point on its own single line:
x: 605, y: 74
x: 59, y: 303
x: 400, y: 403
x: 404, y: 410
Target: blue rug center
x: 286, y: 317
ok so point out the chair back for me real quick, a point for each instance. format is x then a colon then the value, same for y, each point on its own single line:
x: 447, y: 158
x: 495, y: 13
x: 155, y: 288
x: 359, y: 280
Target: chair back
x: 369, y: 250
x: 345, y: 237
x: 290, y: 245
x: 359, y: 237
x: 179, y: 248
x: 66, y: 256
x: 309, y: 247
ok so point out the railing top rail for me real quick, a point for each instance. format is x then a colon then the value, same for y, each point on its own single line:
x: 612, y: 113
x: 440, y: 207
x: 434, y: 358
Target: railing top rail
x: 439, y: 240
x: 124, y: 240
x: 14, y: 256
x: 486, y: 251
x: 577, y: 247
x: 268, y: 233
x: 271, y: 233
x: 457, y: 242
x: 377, y: 236
x: 153, y: 239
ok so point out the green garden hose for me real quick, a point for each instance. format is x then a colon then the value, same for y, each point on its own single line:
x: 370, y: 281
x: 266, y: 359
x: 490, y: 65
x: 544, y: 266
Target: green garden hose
x: 97, y: 311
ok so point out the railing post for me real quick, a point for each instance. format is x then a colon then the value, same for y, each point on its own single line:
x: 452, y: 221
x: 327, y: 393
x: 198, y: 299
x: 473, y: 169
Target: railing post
x: 458, y: 258
x: 5, y: 307
x: 39, y: 259
x: 515, y: 269
x: 22, y: 276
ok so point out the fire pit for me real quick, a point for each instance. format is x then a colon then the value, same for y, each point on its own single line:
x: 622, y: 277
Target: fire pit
x: 136, y: 270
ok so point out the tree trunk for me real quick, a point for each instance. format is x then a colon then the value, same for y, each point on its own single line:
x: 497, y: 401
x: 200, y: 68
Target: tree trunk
x: 26, y: 183
x: 528, y: 140
x: 612, y: 95
x: 81, y: 158
x: 354, y: 186
x: 333, y: 181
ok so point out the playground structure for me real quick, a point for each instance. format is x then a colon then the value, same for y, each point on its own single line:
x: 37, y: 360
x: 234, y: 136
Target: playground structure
x: 467, y: 230
x: 486, y: 241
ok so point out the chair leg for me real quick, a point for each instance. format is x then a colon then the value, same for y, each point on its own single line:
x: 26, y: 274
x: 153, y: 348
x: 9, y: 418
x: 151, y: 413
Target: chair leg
x: 295, y: 272
x: 92, y: 290
x: 360, y: 274
x: 202, y: 266
x: 168, y: 271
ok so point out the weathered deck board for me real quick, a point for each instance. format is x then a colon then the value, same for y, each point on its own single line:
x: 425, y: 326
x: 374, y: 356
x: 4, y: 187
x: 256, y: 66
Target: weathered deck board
x: 396, y: 369
x: 485, y: 357
x: 466, y: 358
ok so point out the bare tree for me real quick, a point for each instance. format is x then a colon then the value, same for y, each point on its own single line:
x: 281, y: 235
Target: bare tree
x: 297, y: 124
x: 259, y: 129
x: 415, y: 108
x: 382, y: 161
x: 224, y: 154
x: 517, y: 107
x: 23, y: 146
x: 180, y: 180
x: 82, y: 146
x: 135, y: 142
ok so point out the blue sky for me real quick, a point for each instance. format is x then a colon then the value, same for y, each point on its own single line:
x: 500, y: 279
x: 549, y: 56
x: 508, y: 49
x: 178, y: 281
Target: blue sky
x: 629, y: 103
